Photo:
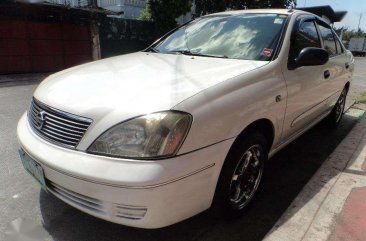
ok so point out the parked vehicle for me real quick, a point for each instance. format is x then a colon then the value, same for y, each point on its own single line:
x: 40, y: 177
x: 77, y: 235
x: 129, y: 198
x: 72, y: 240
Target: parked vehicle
x: 151, y: 138
x: 357, y: 46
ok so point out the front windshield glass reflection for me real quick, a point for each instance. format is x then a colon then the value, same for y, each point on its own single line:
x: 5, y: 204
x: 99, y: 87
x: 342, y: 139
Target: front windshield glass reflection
x: 245, y: 36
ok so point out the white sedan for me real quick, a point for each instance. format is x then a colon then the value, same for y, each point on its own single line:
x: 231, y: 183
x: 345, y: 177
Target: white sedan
x: 152, y: 138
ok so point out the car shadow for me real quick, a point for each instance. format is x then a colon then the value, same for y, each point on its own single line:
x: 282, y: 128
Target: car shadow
x: 285, y: 175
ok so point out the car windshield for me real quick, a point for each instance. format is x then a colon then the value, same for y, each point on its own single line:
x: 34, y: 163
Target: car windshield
x: 247, y: 36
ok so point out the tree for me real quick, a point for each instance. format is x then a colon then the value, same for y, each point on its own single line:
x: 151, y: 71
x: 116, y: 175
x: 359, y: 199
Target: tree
x: 350, y: 33
x: 204, y: 7
x: 146, y: 13
x: 210, y: 6
x: 164, y: 12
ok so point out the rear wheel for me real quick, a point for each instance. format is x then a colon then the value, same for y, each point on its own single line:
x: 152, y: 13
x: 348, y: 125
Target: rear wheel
x: 241, y: 175
x: 335, y: 117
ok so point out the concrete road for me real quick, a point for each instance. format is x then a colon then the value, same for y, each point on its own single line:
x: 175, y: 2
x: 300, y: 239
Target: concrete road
x: 23, y: 204
x: 359, y: 80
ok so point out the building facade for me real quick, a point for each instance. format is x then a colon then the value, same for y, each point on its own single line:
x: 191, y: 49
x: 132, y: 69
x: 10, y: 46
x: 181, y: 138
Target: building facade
x: 46, y: 38
x: 130, y: 9
x: 71, y: 3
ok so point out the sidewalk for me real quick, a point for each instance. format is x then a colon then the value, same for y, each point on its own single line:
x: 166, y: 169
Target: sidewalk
x: 332, y: 206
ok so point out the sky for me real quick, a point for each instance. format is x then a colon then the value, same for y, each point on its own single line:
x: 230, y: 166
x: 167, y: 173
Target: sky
x: 354, y: 8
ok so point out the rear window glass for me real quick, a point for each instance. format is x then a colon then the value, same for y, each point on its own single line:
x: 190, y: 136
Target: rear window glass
x: 328, y: 39
x: 339, y: 46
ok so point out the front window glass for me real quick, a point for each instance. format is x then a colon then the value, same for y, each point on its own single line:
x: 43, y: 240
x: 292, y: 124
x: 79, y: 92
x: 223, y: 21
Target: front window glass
x: 306, y: 36
x: 246, y: 36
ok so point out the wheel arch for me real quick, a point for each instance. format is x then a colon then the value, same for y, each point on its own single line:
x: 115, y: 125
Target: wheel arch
x: 264, y: 126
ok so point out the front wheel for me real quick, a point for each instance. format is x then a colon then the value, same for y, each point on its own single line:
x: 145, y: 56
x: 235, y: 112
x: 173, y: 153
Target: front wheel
x: 336, y: 115
x: 241, y: 175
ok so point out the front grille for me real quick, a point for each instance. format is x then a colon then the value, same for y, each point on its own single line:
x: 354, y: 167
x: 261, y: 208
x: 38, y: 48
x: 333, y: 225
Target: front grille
x: 57, y: 126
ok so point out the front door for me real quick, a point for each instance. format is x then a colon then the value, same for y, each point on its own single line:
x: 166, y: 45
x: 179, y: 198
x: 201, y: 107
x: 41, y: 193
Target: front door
x: 307, y: 85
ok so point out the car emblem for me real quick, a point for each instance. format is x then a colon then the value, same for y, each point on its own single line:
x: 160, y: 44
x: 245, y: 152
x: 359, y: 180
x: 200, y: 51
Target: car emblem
x: 41, y: 118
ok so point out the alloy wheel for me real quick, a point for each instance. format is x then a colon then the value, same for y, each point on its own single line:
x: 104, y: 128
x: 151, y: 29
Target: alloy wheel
x: 246, y: 177
x: 340, y: 106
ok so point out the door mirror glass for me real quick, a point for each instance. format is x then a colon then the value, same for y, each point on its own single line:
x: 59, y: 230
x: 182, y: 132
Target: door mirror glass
x: 312, y: 56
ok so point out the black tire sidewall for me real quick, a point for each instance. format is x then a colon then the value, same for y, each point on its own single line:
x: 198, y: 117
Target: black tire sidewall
x: 332, y: 118
x: 221, y: 204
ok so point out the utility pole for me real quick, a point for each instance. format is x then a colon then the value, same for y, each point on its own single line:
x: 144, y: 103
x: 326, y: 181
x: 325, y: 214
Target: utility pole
x: 294, y: 3
x: 359, y: 21
x: 94, y: 3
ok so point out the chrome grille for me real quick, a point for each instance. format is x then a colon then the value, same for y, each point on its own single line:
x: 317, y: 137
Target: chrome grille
x: 57, y: 126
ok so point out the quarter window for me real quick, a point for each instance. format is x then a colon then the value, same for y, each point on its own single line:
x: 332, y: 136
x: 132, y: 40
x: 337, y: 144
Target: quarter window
x: 306, y: 36
x: 328, y: 39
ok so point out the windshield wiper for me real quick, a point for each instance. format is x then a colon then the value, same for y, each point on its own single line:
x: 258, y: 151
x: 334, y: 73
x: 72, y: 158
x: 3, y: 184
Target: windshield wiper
x: 152, y: 49
x: 187, y: 52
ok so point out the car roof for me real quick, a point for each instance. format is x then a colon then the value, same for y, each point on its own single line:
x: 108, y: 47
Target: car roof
x: 266, y: 11
x: 234, y: 12
x: 270, y: 11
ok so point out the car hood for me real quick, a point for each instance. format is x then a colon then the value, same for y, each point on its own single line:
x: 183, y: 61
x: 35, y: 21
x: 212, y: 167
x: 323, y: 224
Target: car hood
x: 135, y: 84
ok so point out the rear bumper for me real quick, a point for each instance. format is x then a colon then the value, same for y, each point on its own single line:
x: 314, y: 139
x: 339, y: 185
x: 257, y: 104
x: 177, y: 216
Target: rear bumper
x: 145, y: 194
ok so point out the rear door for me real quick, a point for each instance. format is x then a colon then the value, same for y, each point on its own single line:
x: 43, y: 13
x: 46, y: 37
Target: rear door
x: 337, y: 66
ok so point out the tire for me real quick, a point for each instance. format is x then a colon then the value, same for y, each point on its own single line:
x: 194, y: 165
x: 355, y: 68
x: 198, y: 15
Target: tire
x: 335, y: 117
x: 240, y: 175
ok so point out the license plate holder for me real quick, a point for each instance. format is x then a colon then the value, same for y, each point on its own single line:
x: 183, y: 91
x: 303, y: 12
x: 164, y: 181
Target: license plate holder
x: 33, y: 168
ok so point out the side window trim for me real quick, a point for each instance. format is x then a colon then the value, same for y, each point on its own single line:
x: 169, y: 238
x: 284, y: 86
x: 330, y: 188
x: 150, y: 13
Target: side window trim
x: 319, y: 33
x: 299, y: 20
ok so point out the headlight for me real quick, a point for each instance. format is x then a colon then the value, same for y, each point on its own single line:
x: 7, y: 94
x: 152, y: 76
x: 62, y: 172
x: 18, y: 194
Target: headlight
x: 150, y: 136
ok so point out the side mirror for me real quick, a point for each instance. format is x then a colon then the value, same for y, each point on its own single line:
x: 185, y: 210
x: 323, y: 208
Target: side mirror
x: 311, y: 57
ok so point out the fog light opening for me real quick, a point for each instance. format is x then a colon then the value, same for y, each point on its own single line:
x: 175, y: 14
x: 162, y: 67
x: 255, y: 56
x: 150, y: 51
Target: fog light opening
x: 129, y: 212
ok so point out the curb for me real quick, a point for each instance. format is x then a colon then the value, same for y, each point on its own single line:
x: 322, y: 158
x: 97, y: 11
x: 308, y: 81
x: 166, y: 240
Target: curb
x: 313, y: 213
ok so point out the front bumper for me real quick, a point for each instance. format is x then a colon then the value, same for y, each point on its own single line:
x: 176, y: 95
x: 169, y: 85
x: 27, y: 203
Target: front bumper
x: 145, y: 194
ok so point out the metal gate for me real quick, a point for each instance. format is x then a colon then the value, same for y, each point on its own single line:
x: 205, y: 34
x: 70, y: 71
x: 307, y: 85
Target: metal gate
x: 27, y: 46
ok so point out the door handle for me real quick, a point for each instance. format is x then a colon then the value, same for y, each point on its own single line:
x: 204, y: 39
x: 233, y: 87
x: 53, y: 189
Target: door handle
x: 347, y: 65
x: 326, y: 74
x: 278, y: 98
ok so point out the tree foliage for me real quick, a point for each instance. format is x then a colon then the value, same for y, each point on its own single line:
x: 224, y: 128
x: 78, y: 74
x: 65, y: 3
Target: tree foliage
x: 164, y: 12
x: 210, y: 6
x: 350, y: 33
x: 146, y: 14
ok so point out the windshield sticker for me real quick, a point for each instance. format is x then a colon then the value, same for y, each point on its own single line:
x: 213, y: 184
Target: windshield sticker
x: 267, y: 52
x: 278, y: 21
